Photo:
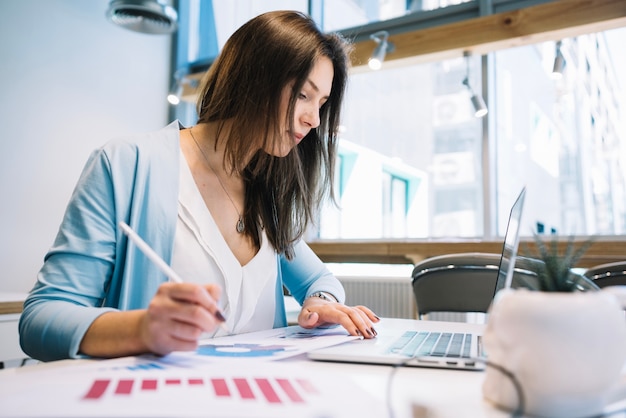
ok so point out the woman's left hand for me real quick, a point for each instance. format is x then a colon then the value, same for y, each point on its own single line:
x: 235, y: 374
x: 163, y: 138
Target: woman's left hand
x: 357, y: 320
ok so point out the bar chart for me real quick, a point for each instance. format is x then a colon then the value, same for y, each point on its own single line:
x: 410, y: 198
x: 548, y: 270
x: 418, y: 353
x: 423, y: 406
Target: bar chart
x: 275, y: 390
x: 225, y: 378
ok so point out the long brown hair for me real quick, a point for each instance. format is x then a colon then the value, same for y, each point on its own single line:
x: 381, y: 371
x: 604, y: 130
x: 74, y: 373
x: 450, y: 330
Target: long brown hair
x: 244, y: 85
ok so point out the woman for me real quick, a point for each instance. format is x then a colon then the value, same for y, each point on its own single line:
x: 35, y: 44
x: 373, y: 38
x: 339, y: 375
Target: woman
x: 225, y: 203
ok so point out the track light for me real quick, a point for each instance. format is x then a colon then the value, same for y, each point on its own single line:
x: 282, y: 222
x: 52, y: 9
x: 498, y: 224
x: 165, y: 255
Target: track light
x: 559, y: 63
x: 479, y: 105
x: 480, y: 108
x: 175, y: 93
x: 378, y: 56
x: 180, y: 80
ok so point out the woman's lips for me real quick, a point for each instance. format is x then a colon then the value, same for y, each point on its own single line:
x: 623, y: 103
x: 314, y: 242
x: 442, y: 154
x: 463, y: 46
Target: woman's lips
x: 298, y: 138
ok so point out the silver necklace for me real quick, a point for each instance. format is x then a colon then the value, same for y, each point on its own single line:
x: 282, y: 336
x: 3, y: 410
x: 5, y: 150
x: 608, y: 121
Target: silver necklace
x: 240, y: 227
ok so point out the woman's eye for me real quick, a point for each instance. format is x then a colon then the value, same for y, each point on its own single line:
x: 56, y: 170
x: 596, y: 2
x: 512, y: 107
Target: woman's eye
x: 302, y: 96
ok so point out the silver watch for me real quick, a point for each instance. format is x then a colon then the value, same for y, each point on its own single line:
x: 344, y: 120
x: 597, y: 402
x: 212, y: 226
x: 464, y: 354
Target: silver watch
x: 324, y: 295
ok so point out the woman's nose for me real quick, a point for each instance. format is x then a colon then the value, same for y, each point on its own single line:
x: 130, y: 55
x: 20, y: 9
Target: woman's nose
x: 311, y: 117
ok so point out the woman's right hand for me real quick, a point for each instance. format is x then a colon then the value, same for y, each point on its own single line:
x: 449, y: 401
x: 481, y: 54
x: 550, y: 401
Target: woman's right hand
x: 178, y: 315
x: 174, y: 321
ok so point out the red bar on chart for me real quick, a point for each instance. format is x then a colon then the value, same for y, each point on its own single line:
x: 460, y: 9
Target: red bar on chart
x: 244, y: 388
x: 307, y: 386
x: 97, y: 389
x: 124, y: 387
x: 196, y: 381
x: 173, y: 381
x: 291, y: 392
x: 268, y: 391
x: 220, y: 387
x: 149, y: 384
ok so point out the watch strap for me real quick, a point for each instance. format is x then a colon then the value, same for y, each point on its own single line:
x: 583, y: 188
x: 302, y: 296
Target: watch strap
x: 324, y: 295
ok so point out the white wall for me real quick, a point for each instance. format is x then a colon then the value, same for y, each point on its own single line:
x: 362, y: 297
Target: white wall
x: 69, y: 81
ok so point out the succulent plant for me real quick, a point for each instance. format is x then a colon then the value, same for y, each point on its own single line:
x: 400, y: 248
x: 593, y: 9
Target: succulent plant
x: 554, y: 271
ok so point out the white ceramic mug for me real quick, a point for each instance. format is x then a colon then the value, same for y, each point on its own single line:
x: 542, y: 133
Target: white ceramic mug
x: 566, y: 350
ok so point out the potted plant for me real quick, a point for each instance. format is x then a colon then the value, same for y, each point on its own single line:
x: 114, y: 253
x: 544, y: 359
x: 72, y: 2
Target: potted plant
x: 555, y: 349
x: 555, y: 272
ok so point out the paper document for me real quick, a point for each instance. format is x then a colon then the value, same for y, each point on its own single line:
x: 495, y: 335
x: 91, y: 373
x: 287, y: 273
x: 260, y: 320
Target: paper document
x: 273, y: 344
x: 148, y: 386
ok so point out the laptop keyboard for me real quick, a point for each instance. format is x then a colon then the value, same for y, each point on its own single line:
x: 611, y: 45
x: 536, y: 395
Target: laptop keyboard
x: 434, y: 344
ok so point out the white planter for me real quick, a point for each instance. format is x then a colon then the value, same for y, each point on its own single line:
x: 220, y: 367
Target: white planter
x: 566, y: 350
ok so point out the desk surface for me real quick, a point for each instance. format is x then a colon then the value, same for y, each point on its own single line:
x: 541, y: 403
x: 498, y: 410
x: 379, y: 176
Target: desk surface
x: 419, y: 392
x: 431, y: 392
x: 414, y: 392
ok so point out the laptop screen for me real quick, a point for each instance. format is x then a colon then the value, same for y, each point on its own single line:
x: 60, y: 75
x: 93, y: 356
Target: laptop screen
x: 511, y: 243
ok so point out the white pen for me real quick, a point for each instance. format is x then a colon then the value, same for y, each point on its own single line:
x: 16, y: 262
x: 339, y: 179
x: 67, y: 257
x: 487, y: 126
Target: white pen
x: 162, y: 265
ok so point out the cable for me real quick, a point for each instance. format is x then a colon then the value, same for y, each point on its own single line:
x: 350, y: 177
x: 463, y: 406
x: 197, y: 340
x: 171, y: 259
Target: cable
x: 394, y: 368
x: 518, y: 412
x: 521, y: 400
x: 521, y: 403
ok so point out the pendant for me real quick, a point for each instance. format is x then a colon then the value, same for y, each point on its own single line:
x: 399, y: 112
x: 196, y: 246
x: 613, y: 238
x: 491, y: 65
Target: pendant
x: 240, y: 225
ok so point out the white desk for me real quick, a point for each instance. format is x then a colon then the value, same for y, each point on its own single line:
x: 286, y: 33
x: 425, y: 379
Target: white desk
x: 432, y: 392
x: 10, y: 310
x: 439, y: 393
x: 415, y: 392
x: 419, y: 392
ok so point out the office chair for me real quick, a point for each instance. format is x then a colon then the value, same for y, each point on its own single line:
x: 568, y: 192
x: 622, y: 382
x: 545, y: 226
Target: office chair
x: 464, y: 282
x: 609, y: 274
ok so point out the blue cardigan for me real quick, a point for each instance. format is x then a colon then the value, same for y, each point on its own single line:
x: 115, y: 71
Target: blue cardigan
x: 91, y: 269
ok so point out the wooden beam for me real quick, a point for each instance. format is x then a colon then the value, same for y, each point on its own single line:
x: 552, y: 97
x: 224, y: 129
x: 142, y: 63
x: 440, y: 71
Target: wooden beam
x: 601, y: 251
x: 478, y: 36
x: 549, y: 21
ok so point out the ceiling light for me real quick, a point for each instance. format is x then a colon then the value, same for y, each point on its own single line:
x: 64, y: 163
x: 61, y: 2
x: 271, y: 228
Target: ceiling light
x: 175, y: 93
x: 180, y: 80
x: 145, y: 16
x: 383, y: 46
x: 559, y: 63
x: 480, y: 108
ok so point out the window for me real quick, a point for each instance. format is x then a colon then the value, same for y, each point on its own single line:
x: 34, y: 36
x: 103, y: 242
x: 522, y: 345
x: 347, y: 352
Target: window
x: 341, y: 14
x: 394, y: 206
x: 417, y: 122
x: 415, y: 162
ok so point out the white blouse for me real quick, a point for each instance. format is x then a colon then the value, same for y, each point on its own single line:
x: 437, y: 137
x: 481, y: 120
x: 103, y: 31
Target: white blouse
x: 201, y: 255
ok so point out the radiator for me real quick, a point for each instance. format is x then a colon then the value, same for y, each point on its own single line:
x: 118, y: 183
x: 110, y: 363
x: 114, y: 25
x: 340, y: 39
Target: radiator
x: 389, y: 297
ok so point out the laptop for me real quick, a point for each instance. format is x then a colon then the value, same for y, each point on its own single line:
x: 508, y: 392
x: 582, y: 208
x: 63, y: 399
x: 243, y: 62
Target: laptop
x: 455, y: 345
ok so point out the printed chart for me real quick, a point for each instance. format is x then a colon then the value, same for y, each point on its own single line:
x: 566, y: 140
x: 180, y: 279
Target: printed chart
x: 136, y: 387
x: 259, y: 389
x: 241, y: 350
x: 274, y: 344
x: 228, y: 377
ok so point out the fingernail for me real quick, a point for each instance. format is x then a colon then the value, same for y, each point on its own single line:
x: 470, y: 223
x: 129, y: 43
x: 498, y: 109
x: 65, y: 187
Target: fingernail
x: 370, y: 333
x: 374, y: 331
x: 220, y: 316
x: 358, y: 332
x: 375, y: 316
